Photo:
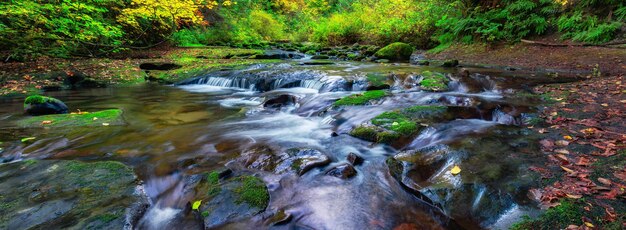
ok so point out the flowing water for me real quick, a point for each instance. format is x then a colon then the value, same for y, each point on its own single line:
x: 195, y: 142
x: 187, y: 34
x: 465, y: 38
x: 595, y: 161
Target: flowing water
x: 205, y: 123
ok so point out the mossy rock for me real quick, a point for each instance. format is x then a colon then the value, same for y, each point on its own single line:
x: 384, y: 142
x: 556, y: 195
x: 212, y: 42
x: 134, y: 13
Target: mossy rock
x: 392, y: 127
x: 230, y: 199
x: 41, y: 105
x: 436, y: 82
x: 397, y: 51
x: 100, y: 118
x: 450, y: 63
x: 361, y: 99
x: 72, y: 194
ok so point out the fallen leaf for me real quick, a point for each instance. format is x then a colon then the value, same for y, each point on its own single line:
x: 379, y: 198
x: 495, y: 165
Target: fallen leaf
x: 105, y: 124
x: 95, y: 118
x: 589, y: 225
x: 455, y: 170
x: 561, y: 151
x: 572, y: 196
x: 46, y: 122
x: 567, y: 170
x: 28, y: 139
x: 605, y: 104
x: 196, y: 204
x: 567, y: 137
x: 561, y: 143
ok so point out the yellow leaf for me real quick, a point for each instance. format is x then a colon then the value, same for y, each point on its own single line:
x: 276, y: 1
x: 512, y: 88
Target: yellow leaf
x: 196, y: 204
x: 105, y: 124
x: 455, y: 170
x: 568, y: 137
x: 567, y: 170
x: 95, y: 118
x: 589, y: 225
x: 574, y: 196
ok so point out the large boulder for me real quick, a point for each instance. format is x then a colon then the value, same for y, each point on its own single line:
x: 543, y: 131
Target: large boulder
x: 41, y: 105
x: 397, y: 51
x: 68, y: 194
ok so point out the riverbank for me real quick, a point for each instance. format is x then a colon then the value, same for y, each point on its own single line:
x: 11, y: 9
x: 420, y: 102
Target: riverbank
x: 610, y: 61
x: 51, y: 74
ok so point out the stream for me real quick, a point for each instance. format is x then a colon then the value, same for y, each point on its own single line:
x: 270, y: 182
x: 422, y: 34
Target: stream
x: 223, y: 120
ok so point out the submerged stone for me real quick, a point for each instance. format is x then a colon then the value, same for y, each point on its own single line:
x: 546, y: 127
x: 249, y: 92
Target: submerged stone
x: 37, y: 105
x: 109, y: 117
x: 343, y: 171
x: 354, y: 159
x: 71, y: 194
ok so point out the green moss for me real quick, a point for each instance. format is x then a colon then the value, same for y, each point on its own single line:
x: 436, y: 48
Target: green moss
x: 107, y: 217
x: 404, y: 127
x: 253, y: 192
x: 365, y: 133
x: 389, y: 117
x: 558, y: 217
x: 36, y: 99
x: 387, y: 137
x: 213, y: 181
x: 205, y: 213
x: 361, y: 99
x: 110, y: 117
x: 395, y: 51
x: 434, y: 81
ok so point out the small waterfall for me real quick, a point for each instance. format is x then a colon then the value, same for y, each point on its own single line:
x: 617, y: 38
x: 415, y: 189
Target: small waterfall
x: 312, y: 84
x: 241, y: 83
x: 504, y: 118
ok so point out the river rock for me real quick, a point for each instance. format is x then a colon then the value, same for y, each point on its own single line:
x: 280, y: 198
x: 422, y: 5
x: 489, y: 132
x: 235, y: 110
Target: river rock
x: 397, y: 51
x: 280, y: 101
x: 354, y: 159
x: 295, y: 160
x: 343, y: 171
x: 37, y: 105
x: 69, y: 194
x: 231, y: 200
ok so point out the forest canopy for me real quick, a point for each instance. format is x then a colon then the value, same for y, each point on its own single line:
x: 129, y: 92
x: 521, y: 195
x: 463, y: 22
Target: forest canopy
x: 95, y: 27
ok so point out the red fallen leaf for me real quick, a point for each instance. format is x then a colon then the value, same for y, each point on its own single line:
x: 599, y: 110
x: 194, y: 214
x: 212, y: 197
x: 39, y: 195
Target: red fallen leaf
x: 610, y: 214
x: 609, y: 195
x: 583, y: 161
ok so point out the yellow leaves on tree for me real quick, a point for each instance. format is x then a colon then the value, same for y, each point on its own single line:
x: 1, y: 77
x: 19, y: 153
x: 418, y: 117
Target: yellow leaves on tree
x: 168, y: 13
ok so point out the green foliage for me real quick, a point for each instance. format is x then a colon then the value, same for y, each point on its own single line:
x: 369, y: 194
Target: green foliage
x: 515, y: 19
x: 361, y: 99
x: 587, y: 28
x: 58, y: 28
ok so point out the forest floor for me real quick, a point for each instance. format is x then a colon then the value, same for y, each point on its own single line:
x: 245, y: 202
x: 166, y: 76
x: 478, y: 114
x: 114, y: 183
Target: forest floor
x: 611, y: 61
x: 583, y: 127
